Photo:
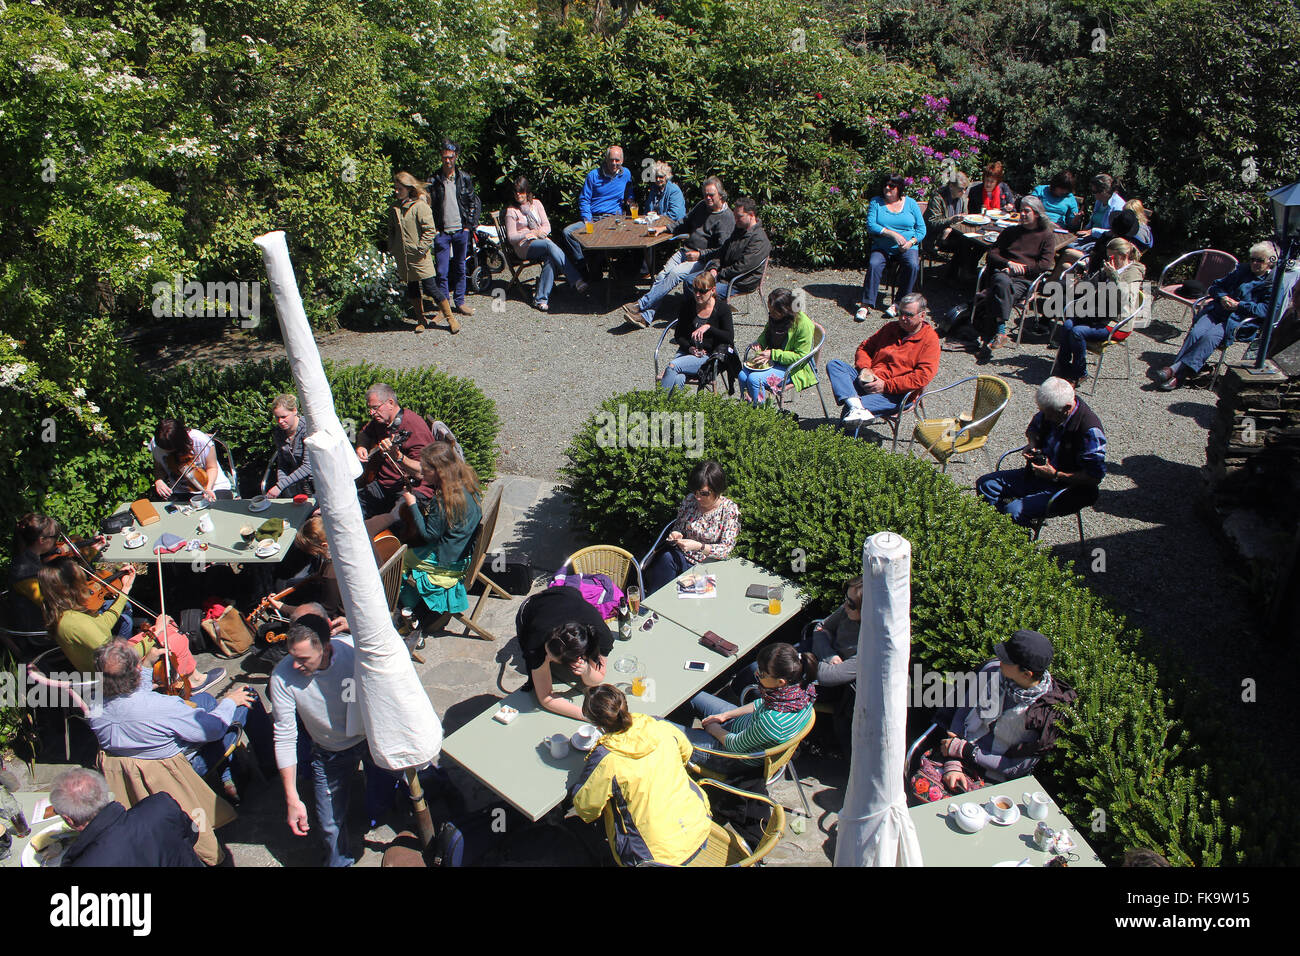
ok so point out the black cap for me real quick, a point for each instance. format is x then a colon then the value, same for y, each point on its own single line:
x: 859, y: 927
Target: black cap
x: 1027, y: 649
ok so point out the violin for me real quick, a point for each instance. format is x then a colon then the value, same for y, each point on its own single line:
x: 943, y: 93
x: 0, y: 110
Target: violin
x: 99, y: 588
x: 87, y: 549
x: 262, y: 613
x: 167, y: 677
x: 182, y: 464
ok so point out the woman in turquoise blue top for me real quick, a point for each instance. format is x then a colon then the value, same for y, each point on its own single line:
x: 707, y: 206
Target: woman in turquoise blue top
x: 436, y: 564
x: 897, y: 228
x: 1058, y: 199
x: 785, y: 703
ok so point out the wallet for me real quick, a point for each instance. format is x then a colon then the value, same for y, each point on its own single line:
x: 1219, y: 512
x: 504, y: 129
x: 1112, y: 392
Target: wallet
x: 764, y: 592
x: 715, y: 643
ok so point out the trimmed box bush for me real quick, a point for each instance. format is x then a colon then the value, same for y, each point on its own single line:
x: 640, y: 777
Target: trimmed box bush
x: 1127, y: 770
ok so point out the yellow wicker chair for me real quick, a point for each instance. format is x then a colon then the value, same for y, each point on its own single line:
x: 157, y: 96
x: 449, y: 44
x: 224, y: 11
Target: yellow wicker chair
x: 725, y: 847
x: 606, y: 559
x: 945, y: 438
x: 776, y: 761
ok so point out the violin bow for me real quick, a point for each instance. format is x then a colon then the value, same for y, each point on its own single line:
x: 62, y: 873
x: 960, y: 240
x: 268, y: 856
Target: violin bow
x: 167, y: 651
x: 91, y: 568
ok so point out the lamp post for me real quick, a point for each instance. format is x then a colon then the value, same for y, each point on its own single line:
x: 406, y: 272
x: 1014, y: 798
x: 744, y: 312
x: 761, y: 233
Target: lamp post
x: 1286, y: 217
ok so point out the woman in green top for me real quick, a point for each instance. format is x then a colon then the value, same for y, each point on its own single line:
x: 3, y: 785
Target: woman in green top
x: 446, y: 528
x: 79, y: 629
x: 787, y: 337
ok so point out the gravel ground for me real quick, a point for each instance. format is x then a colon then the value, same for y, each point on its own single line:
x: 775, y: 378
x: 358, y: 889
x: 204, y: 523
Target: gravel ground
x: 1148, y: 548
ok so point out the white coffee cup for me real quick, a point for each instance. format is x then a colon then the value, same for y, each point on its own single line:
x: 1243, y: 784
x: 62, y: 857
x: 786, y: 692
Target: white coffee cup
x: 1003, y: 807
x: 559, y: 745
x: 205, y: 524
x: 585, y: 736
x: 1036, y: 804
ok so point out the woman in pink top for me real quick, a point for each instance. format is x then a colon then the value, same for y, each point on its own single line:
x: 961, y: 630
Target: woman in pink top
x: 527, y: 229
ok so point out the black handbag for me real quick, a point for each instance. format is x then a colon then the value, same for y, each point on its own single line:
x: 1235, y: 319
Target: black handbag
x: 116, y: 524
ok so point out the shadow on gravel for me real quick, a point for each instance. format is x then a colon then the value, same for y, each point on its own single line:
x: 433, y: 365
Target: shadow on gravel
x: 1200, y: 413
x: 1155, y: 478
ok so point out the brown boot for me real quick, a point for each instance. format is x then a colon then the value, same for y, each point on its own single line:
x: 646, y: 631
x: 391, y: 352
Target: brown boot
x: 445, y: 308
x: 417, y: 313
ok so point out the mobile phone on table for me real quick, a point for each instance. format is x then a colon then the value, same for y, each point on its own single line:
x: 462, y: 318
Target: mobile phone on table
x: 701, y: 667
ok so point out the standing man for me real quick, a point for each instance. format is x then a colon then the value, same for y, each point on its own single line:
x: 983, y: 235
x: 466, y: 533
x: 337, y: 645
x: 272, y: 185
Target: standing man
x: 314, y: 684
x: 901, y: 357
x: 456, y: 210
x: 605, y: 192
x: 1066, y: 449
x: 393, y: 460
x: 706, y: 227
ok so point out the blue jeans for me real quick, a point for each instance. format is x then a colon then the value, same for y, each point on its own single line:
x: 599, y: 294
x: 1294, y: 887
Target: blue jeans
x: 909, y: 267
x: 706, y: 705
x: 331, y: 773
x: 553, y: 258
x: 664, y: 567
x: 256, y: 723
x: 755, y: 383
x: 675, y: 272
x: 1072, y: 358
x: 680, y: 367
x: 844, y: 383
x: 125, y: 622
x: 450, y: 249
x: 1024, y: 497
x: 1205, y: 335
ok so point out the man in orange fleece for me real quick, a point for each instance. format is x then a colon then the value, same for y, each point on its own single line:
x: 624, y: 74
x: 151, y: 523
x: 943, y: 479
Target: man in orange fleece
x: 901, y: 357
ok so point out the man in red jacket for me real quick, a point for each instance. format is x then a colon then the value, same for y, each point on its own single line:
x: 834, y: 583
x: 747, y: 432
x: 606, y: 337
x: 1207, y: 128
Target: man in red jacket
x: 901, y: 357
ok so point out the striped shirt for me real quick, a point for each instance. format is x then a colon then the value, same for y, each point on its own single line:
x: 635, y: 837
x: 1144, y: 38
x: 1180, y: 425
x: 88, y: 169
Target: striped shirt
x: 764, y: 728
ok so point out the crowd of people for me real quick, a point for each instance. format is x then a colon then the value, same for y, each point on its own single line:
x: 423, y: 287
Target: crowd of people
x: 166, y: 755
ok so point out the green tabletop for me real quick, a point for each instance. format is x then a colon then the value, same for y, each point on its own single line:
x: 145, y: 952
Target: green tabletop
x: 225, y: 546
x: 742, y: 620
x: 511, y: 759
x: 27, y: 799
x: 944, y: 843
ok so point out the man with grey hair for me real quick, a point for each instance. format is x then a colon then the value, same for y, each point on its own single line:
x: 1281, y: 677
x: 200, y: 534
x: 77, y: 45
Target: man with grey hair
x: 314, y: 684
x: 155, y: 832
x: 389, y: 446
x: 902, y: 357
x: 1066, y: 452
x: 606, y: 191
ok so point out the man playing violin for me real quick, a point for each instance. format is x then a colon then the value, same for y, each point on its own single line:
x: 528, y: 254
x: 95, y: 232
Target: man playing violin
x: 391, y: 466
x: 185, y: 463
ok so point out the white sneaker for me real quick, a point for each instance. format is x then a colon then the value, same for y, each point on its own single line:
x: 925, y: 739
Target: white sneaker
x: 861, y: 315
x: 858, y: 415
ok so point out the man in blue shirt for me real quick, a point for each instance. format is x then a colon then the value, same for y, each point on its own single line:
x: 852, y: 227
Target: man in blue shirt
x: 1066, y: 449
x: 605, y: 192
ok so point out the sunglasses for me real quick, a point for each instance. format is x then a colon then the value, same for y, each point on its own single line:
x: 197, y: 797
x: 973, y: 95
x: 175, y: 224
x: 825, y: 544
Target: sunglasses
x: 650, y: 621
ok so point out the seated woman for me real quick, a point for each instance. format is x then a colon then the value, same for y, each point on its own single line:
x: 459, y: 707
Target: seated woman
x: 785, y: 682
x: 290, y: 470
x: 989, y: 741
x: 1057, y: 197
x: 308, y: 569
x: 706, y: 527
x: 80, y: 630
x: 639, y: 764
x: 947, y: 204
x: 787, y: 337
x: 1114, y: 297
x: 897, y: 228
x: 1240, y: 295
x: 562, y: 637
x: 991, y: 193
x: 445, y: 529
x: 1022, y: 253
x: 185, y: 464
x: 528, y: 230
x: 36, y: 539
x: 703, y: 329
x: 1144, y: 238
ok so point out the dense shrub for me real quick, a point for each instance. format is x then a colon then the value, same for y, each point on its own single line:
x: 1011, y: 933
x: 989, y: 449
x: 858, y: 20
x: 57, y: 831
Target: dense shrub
x: 81, y: 479
x: 817, y: 495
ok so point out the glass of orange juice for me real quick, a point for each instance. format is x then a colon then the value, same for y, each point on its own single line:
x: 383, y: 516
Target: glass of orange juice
x: 591, y: 227
x: 638, y: 685
x: 774, y: 605
x: 634, y: 209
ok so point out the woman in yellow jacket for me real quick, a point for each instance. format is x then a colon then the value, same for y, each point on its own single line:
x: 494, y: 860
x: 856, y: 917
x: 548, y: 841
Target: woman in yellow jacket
x: 639, y: 768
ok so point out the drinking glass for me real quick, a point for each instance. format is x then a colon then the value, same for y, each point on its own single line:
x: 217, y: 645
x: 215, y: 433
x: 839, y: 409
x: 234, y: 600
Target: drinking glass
x: 634, y: 209
x: 591, y: 227
x: 774, y: 605
x: 634, y: 600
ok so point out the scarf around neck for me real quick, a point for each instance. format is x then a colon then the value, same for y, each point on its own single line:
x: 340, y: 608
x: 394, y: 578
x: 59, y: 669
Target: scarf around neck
x: 788, y: 699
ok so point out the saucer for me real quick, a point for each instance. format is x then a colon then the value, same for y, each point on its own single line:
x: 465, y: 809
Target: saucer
x: 140, y: 542
x: 258, y: 504
x: 1014, y: 818
x: 266, y: 549
x: 577, y: 744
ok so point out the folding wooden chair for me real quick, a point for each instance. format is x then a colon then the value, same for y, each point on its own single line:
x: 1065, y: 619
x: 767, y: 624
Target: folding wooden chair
x: 475, y: 574
x: 512, y: 260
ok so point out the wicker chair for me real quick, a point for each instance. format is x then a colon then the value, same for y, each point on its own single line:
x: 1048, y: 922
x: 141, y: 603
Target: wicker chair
x: 945, y: 438
x: 725, y: 848
x: 777, y: 760
x: 606, y: 559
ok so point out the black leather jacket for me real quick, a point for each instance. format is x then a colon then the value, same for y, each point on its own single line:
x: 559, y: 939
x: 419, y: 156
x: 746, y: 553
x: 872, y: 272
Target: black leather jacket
x: 471, y: 209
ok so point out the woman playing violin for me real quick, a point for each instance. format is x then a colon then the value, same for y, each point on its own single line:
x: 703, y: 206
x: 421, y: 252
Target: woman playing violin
x: 185, y: 463
x: 37, y: 541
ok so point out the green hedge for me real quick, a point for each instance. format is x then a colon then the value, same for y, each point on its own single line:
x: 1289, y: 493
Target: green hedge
x: 79, y: 479
x: 816, y: 495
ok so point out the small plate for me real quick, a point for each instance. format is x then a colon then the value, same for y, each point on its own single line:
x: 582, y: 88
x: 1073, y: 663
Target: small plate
x: 991, y: 236
x: 576, y: 742
x: 1014, y: 818
x: 260, y: 503
x: 131, y: 543
x: 267, y: 548
x: 974, y: 219
x: 28, y: 857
